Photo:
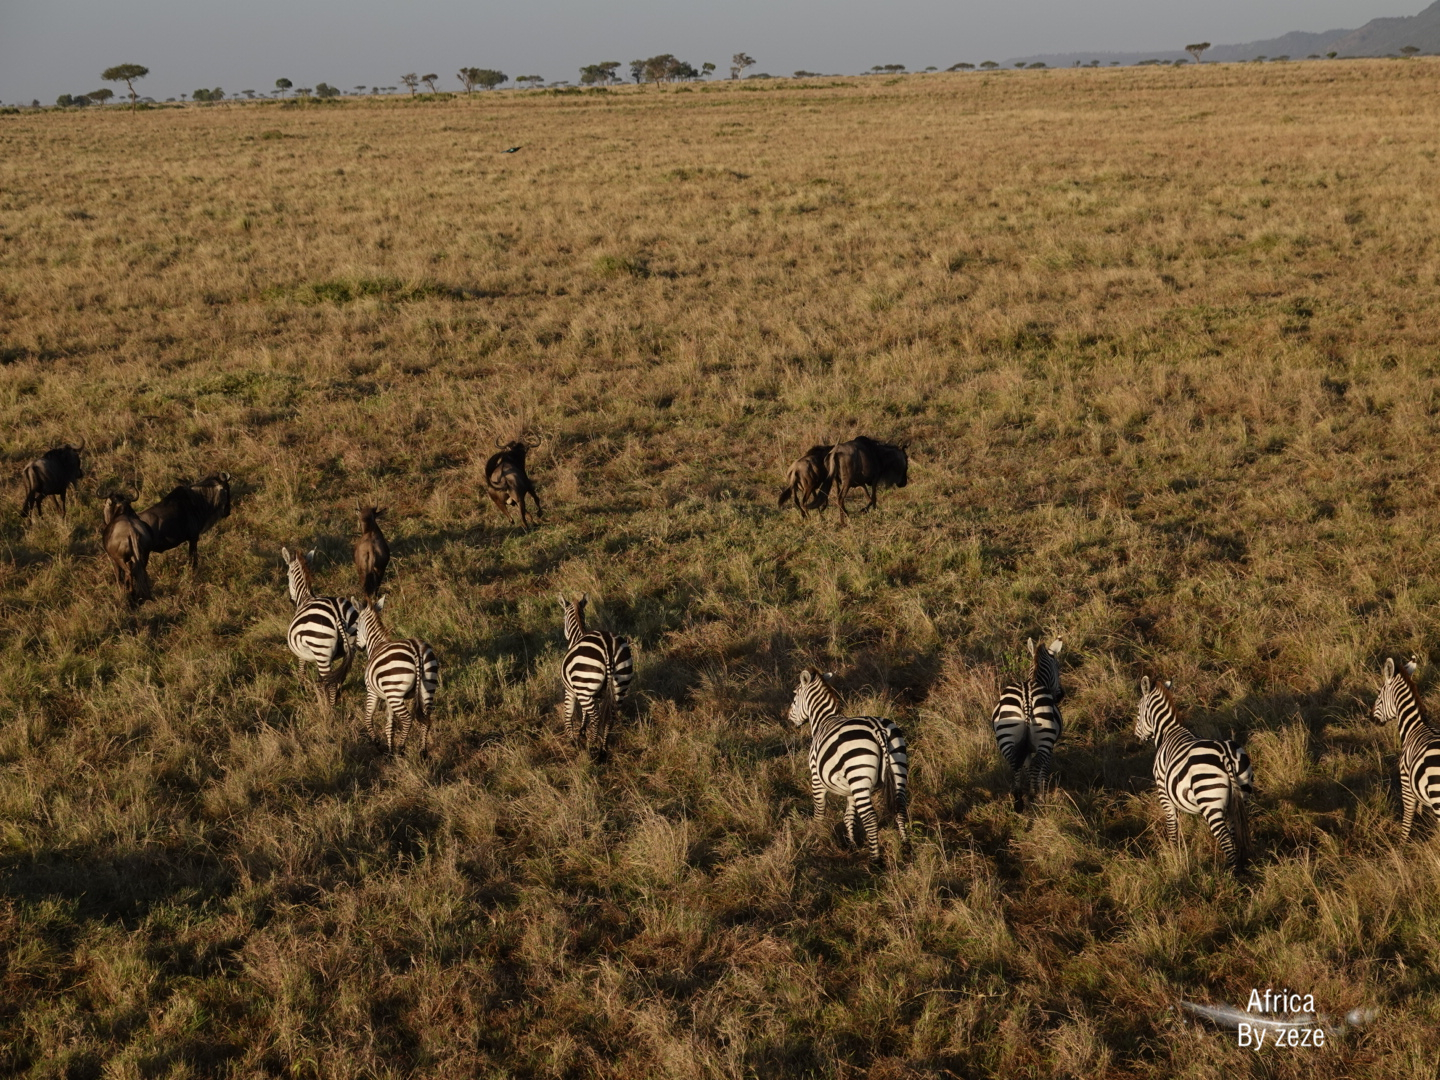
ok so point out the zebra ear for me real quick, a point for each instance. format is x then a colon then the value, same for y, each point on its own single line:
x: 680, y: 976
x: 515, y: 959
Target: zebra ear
x: 1411, y: 667
x: 380, y: 603
x: 1144, y: 685
x: 807, y: 677
x: 285, y: 554
x: 1030, y: 646
x: 1388, y: 671
x: 310, y: 555
x: 1168, y: 684
x: 829, y: 676
x: 1056, y: 646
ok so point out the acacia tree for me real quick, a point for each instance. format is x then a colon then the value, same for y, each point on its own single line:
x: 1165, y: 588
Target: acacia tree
x: 468, y: 77
x: 412, y: 81
x: 429, y: 80
x: 1407, y: 51
x: 604, y: 72
x: 1196, y: 49
x: 489, y: 78
x: 739, y: 62
x: 283, y: 85
x: 707, y: 69
x: 126, y: 73
x: 104, y: 94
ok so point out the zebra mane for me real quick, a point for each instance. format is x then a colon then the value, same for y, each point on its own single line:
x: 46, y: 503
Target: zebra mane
x: 1169, y: 698
x: 1402, y: 672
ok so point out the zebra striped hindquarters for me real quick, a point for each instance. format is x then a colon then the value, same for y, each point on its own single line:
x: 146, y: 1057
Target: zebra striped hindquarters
x: 1198, y: 776
x: 852, y: 756
x: 323, y: 629
x: 398, y: 673
x: 1419, y: 742
x: 1027, y: 718
x: 596, y: 674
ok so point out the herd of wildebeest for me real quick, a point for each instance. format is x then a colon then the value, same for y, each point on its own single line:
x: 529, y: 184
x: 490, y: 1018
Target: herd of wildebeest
x: 850, y: 756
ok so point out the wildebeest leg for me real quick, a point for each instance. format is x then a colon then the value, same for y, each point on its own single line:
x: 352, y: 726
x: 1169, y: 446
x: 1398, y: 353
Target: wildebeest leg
x: 874, y: 490
x: 840, y: 489
x: 536, y: 498
x: 195, y: 554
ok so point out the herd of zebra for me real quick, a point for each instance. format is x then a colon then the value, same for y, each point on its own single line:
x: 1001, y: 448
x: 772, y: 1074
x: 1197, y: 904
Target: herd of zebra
x: 850, y: 756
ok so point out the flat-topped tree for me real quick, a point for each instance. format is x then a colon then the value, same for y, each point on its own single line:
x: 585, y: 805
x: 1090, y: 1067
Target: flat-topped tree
x: 283, y: 85
x: 1406, y: 51
x: 1196, y: 49
x: 102, y: 95
x: 429, y: 80
x: 126, y: 73
x: 411, y: 80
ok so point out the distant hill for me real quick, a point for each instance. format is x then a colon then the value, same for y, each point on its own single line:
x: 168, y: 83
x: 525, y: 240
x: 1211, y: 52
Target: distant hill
x: 1378, y: 37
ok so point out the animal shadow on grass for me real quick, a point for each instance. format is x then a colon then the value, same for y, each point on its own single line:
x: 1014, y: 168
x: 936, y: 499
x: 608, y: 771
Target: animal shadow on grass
x: 119, y: 887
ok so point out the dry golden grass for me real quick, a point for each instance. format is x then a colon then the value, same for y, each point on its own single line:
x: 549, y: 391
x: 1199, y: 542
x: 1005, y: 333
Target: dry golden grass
x: 1162, y: 343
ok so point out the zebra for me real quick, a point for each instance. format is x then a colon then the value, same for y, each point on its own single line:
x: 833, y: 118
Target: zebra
x: 1198, y: 776
x: 1419, y: 742
x: 1027, y: 720
x: 397, y: 672
x: 323, y: 629
x: 852, y: 756
x: 596, y: 673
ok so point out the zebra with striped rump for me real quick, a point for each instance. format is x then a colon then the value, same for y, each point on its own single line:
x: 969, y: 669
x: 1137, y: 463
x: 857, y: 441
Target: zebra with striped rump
x: 1198, y: 776
x: 596, y: 673
x: 852, y: 756
x: 1419, y: 742
x: 323, y: 629
x: 398, y: 673
x: 1027, y: 717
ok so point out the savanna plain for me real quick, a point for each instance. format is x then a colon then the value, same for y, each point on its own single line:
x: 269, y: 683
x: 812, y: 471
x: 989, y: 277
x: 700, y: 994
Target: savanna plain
x: 1161, y: 342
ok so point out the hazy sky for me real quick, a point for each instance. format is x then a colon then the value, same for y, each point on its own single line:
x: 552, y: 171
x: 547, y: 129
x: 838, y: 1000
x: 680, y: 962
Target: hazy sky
x: 49, y: 47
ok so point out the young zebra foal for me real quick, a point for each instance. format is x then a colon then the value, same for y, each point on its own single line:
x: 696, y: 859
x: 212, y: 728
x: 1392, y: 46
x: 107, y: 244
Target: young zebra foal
x: 1027, y: 718
x: 398, y: 672
x: 323, y: 629
x: 596, y: 674
x: 852, y: 756
x: 1198, y: 776
x: 1419, y: 742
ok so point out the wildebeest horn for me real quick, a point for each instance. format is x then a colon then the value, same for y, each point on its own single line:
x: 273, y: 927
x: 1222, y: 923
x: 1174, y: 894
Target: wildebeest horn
x: 82, y: 445
x: 500, y: 445
x: 533, y: 440
x: 225, y: 478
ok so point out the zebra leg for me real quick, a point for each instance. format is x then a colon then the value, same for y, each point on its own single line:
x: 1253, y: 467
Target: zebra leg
x: 1172, y: 822
x: 1215, y: 817
x: 817, y: 795
x: 402, y: 713
x: 1040, y: 771
x: 1407, y: 800
x: 371, y: 701
x: 902, y: 816
x: 568, y: 715
x: 865, y: 807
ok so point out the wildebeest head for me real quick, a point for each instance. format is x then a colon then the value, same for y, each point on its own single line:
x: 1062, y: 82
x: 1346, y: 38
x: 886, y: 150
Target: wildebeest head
x: 215, y: 490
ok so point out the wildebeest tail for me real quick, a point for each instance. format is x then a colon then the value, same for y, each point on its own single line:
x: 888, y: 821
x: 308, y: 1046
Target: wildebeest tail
x: 786, y: 494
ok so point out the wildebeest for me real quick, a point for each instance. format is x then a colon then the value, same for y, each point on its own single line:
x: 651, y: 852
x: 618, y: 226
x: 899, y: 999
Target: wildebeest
x: 506, y: 480
x: 808, y: 481
x: 127, y: 540
x: 189, y: 509
x: 372, y: 553
x: 51, y: 474
x: 862, y: 462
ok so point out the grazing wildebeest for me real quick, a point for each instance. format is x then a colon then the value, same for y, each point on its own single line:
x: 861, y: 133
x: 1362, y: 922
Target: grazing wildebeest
x: 506, y: 480
x: 127, y: 540
x: 808, y: 481
x: 51, y: 474
x: 189, y: 509
x: 862, y: 462
x: 372, y: 553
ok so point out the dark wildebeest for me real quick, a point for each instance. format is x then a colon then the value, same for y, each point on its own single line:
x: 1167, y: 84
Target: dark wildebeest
x: 51, y: 474
x: 506, y: 480
x: 808, y: 481
x: 189, y: 509
x: 372, y: 553
x: 127, y: 540
x: 862, y: 462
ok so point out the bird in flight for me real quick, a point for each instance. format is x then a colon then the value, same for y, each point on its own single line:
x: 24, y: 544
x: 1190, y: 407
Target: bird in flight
x: 511, y: 150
